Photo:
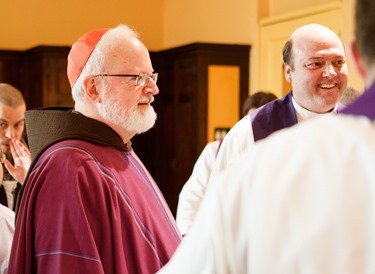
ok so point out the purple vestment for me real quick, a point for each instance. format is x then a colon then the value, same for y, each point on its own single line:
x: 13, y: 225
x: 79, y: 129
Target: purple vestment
x: 273, y: 116
x: 364, y: 105
x: 89, y: 207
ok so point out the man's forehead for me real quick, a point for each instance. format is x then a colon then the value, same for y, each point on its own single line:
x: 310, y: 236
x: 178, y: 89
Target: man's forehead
x: 11, y: 121
x: 12, y: 114
x: 318, y: 51
x: 130, y: 58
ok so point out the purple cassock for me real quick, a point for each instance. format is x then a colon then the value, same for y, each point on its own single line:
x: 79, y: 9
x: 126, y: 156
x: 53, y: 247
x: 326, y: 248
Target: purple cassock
x: 88, y: 205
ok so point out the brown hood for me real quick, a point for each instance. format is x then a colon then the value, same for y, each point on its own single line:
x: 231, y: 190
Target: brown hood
x: 45, y: 127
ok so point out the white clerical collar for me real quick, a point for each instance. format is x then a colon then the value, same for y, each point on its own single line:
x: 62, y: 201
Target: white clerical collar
x: 304, y: 114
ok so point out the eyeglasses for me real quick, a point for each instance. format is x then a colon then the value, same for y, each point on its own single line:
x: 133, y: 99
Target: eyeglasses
x: 142, y: 79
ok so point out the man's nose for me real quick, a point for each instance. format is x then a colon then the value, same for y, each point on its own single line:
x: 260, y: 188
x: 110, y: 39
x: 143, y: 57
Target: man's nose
x: 10, y: 132
x: 152, y: 87
x: 329, y: 71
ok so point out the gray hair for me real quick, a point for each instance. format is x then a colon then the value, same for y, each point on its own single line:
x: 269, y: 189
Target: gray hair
x: 110, y: 40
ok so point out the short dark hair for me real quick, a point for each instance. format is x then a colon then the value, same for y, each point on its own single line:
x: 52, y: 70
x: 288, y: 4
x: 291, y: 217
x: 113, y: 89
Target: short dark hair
x: 365, y: 29
x: 287, y: 53
x: 257, y: 100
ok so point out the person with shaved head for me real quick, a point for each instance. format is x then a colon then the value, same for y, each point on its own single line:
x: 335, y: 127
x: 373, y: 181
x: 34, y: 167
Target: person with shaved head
x: 14, y: 152
x: 315, y: 66
x: 301, y: 201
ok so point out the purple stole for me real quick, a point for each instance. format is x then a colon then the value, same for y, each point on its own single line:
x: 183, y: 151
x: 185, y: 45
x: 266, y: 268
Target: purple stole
x: 364, y: 105
x: 273, y: 116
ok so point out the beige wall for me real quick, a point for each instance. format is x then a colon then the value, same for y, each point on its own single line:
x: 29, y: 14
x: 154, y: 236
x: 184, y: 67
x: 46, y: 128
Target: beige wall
x: 26, y: 23
x: 209, y: 21
x: 276, y: 8
x: 161, y: 23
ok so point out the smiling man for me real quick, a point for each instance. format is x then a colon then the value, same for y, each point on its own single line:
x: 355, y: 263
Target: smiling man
x: 314, y: 212
x: 315, y: 66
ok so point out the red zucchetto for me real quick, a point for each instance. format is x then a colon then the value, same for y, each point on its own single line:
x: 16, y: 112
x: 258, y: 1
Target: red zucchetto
x: 80, y: 53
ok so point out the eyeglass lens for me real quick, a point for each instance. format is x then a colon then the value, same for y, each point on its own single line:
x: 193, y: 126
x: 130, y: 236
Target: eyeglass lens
x: 143, y: 79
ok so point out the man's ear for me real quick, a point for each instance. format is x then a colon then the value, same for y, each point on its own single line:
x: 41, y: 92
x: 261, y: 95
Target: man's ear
x: 288, y: 73
x: 91, y: 90
x: 357, y: 59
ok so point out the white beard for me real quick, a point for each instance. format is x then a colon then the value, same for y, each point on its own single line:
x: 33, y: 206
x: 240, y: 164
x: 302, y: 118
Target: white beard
x: 133, y: 119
